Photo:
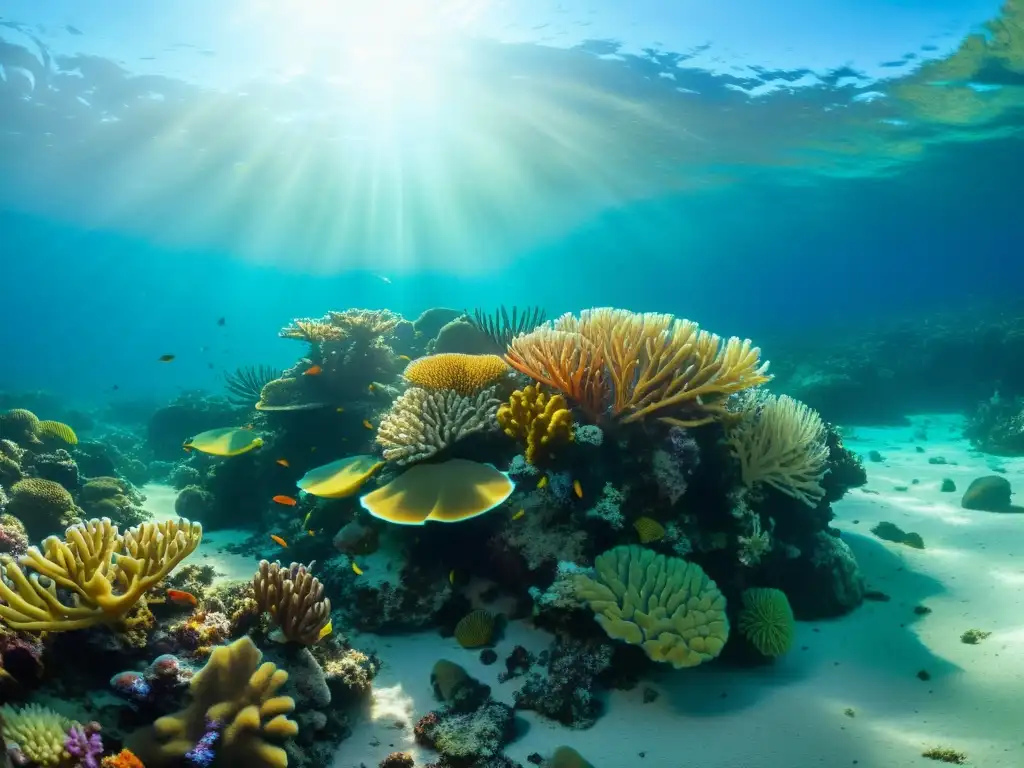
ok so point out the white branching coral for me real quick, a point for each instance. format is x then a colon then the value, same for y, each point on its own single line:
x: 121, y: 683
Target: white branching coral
x: 781, y: 442
x: 423, y: 422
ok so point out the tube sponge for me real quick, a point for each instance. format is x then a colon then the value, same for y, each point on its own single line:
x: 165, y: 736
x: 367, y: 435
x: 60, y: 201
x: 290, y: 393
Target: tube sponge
x: 666, y: 605
x: 234, y: 692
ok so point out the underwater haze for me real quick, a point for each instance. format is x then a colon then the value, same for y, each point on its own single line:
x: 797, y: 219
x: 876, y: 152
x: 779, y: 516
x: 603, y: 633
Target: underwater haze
x: 573, y: 383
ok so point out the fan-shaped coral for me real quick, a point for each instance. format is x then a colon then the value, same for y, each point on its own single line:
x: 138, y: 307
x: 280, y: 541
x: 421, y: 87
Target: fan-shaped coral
x: 295, y: 599
x: 638, y: 365
x: 538, y: 420
x: 450, y: 492
x: 423, y: 422
x: 233, y: 695
x: 766, y: 620
x: 465, y: 374
x: 781, y: 442
x: 666, y: 605
x: 107, y: 573
x: 38, y: 732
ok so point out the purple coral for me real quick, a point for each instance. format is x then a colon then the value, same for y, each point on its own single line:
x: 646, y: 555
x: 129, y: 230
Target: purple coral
x: 202, y: 754
x: 85, y: 745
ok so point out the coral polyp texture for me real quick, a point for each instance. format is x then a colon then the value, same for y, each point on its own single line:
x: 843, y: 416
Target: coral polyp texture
x: 638, y: 365
x: 234, y: 697
x: 423, y: 422
x: 667, y: 606
x: 541, y: 422
x: 465, y: 374
x: 781, y: 442
x: 294, y: 598
x: 766, y: 620
x: 105, y: 572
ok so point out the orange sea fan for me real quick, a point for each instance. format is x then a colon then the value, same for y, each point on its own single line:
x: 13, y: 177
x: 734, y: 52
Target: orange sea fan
x: 566, y: 361
x: 465, y: 374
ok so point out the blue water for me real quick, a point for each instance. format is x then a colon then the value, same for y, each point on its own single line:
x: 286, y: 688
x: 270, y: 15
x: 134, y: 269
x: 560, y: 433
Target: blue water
x: 761, y: 184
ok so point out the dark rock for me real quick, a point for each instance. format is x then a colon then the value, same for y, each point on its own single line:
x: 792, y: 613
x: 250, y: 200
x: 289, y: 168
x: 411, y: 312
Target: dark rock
x: 948, y: 486
x: 987, y: 494
x: 488, y: 656
x: 936, y: 460
x: 874, y: 456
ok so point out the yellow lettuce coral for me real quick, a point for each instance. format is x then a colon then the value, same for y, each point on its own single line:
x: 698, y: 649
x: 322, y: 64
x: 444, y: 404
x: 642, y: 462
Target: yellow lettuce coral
x: 667, y: 606
x: 537, y: 419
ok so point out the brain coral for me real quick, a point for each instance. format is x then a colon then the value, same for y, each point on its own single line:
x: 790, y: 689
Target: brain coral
x: 42, y: 505
x: 666, y: 605
x: 465, y: 374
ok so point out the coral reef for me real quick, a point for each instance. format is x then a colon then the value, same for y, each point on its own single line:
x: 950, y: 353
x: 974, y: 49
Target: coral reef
x: 295, y: 599
x: 568, y: 692
x: 539, y: 421
x: 422, y: 422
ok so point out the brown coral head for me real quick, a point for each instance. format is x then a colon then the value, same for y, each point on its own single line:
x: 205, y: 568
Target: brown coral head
x: 294, y: 597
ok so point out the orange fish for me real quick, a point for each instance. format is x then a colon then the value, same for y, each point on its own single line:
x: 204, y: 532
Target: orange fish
x: 367, y: 424
x: 165, y: 358
x: 577, y: 489
x: 283, y: 462
x: 288, y: 501
x: 278, y: 540
x: 181, y: 597
x: 314, y: 370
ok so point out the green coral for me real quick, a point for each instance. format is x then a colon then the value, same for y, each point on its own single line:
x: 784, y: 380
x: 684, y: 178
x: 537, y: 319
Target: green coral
x: 766, y: 620
x: 667, y: 606
x: 43, y: 506
x: 109, y: 497
x: 39, y: 733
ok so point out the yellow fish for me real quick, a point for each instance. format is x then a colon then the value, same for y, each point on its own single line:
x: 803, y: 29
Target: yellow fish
x: 404, y: 357
x: 543, y: 481
x: 339, y: 410
x: 305, y: 520
x: 451, y: 577
x: 577, y: 489
x: 371, y: 388
x: 519, y: 514
x: 356, y: 569
x: 367, y: 424
x: 325, y: 631
x: 311, y: 532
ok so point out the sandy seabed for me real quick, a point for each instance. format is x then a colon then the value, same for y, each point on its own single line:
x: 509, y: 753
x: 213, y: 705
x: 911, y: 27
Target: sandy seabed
x: 848, y: 694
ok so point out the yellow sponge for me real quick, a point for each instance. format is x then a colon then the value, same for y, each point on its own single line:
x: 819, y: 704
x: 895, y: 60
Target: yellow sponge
x: 537, y: 419
x: 666, y: 605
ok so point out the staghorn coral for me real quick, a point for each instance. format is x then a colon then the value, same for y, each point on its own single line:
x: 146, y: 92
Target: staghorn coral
x: 465, y: 374
x: 363, y: 326
x: 295, y: 599
x: 538, y: 420
x: 234, y: 695
x: 84, y: 744
x: 106, y: 572
x: 638, y: 365
x: 42, y: 505
x: 422, y: 422
x: 667, y: 606
x: 781, y: 442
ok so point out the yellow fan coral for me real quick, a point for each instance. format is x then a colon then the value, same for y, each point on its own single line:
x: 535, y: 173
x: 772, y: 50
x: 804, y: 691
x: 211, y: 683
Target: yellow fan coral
x: 107, y: 573
x: 781, y: 442
x: 639, y: 365
x: 666, y: 605
x: 465, y: 374
x: 239, y: 693
x: 39, y: 733
x: 537, y: 419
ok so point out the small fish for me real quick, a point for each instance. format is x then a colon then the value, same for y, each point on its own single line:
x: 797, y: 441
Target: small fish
x: 383, y: 279
x: 187, y: 448
x: 210, y: 366
x: 221, y: 320
x: 519, y: 514
x: 577, y: 489
x: 278, y: 540
x: 181, y: 597
x: 311, y: 532
x: 288, y: 501
x: 542, y: 482
x: 404, y: 357
x: 313, y: 370
x: 325, y: 630
x: 367, y: 424
x: 115, y: 387
x: 356, y: 569
x: 371, y: 389
x: 165, y: 358
x: 305, y: 520
x: 339, y: 409
x: 451, y: 577
x: 283, y: 462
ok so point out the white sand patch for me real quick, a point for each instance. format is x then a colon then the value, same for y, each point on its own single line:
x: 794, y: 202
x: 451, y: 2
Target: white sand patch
x: 797, y: 711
